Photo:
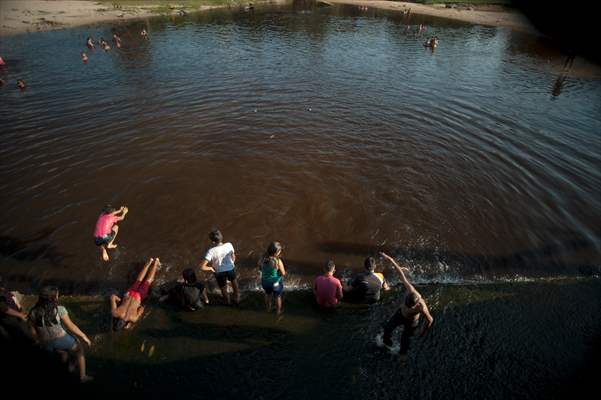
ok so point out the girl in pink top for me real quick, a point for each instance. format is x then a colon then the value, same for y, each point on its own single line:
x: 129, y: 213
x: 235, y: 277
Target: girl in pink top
x: 107, y: 229
x: 327, y: 288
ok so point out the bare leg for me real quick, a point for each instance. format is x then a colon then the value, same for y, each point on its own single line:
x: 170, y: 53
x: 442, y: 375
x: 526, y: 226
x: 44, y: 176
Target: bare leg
x: 142, y: 273
x: 236, y: 291
x: 115, y: 231
x: 105, y: 254
x: 153, y: 270
x: 278, y: 303
x: 225, y: 294
x: 81, y: 362
x: 205, y: 298
x: 268, y: 302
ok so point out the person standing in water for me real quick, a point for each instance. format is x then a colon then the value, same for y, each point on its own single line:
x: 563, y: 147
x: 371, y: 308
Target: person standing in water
x: 272, y: 271
x: 407, y: 315
x: 107, y: 228
x: 127, y: 311
x: 50, y: 320
x: 219, y: 260
x: 367, y: 286
x: 327, y: 288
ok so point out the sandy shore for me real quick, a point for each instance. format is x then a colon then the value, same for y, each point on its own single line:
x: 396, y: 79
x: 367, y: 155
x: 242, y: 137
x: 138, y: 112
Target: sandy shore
x: 483, y: 15
x: 22, y: 16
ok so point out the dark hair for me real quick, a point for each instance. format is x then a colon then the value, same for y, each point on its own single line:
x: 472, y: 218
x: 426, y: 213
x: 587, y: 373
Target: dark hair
x: 411, y: 299
x: 274, y: 248
x: 370, y: 263
x: 118, y: 324
x: 189, y: 275
x: 108, y: 209
x: 45, y: 311
x: 329, y: 267
x: 215, y: 236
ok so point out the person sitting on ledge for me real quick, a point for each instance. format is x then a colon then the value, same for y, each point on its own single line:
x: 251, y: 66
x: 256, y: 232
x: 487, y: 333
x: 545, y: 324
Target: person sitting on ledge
x: 127, y: 311
x: 367, y: 286
x: 189, y: 295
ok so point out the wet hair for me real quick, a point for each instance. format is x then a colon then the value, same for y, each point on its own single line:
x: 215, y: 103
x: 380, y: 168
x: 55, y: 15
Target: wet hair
x: 411, y: 299
x: 45, y: 311
x: 118, y: 324
x: 370, y: 263
x: 189, y: 275
x: 329, y: 267
x: 108, y: 209
x: 215, y: 236
x: 273, y: 249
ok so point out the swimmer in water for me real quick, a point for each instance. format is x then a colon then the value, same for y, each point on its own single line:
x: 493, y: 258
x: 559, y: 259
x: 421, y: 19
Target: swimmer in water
x: 104, y: 44
x: 90, y: 42
x: 117, y: 40
x: 128, y: 310
x: 144, y: 34
x: 84, y: 57
x: 21, y: 84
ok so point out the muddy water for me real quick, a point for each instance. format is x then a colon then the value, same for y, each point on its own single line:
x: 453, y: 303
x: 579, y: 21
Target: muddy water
x: 329, y: 129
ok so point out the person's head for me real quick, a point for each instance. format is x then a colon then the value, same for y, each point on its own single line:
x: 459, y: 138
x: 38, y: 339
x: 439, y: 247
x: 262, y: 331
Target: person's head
x: 274, y: 249
x: 45, y: 311
x: 189, y: 276
x: 411, y: 299
x: 118, y: 324
x: 215, y: 236
x: 370, y: 264
x: 108, y: 209
x: 330, y: 267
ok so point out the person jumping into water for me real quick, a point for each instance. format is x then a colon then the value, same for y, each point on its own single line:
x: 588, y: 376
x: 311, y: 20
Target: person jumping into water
x: 127, y: 311
x: 221, y: 258
x: 107, y: 229
x: 407, y: 315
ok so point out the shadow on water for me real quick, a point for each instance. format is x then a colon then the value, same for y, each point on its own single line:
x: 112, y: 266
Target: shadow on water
x: 38, y: 246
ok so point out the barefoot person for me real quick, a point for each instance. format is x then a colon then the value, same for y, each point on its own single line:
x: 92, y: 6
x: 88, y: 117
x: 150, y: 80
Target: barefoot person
x: 407, y: 315
x: 272, y: 271
x: 50, y: 320
x: 127, y: 311
x: 327, y: 288
x: 220, y: 259
x: 107, y: 229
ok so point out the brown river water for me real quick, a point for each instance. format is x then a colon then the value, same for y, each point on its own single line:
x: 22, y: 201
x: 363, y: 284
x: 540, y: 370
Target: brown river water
x: 329, y: 129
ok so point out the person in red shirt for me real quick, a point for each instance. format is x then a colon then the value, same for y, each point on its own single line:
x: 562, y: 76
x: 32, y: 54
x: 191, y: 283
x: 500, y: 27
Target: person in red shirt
x: 107, y: 229
x: 327, y: 288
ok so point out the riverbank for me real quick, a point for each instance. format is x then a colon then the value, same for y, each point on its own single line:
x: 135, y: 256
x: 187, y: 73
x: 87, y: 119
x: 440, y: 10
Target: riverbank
x: 19, y: 16
x: 476, y: 14
x: 23, y: 16
x: 497, y: 341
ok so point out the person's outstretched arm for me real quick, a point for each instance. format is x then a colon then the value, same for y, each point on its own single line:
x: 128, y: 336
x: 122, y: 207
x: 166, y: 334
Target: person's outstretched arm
x: 406, y: 283
x: 122, y: 211
x: 70, y: 325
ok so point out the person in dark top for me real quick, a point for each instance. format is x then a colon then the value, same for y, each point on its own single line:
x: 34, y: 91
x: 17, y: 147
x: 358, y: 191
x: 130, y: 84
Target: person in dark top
x: 189, y: 295
x: 366, y: 286
x: 13, y: 321
x: 408, y: 314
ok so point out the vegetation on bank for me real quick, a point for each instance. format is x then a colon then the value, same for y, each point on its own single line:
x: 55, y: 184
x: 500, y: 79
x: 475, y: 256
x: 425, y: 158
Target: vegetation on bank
x: 169, y: 6
x: 466, y: 2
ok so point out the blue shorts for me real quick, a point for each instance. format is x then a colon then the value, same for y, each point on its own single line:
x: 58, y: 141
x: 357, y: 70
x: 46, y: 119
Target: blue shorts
x: 102, y: 240
x: 276, y: 288
x: 63, y: 343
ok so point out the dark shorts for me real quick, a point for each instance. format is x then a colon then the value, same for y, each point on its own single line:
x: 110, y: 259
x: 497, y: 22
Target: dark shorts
x: 223, y: 277
x: 276, y: 288
x: 101, y: 241
x: 139, y: 290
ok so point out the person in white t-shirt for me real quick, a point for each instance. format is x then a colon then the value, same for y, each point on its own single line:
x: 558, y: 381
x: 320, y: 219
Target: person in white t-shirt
x: 220, y: 260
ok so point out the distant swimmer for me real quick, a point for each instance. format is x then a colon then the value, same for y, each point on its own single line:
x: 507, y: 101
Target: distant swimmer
x: 84, y: 57
x: 272, y: 273
x: 2, y: 63
x: 407, y: 315
x: 107, y: 229
x: 90, y: 42
x: 432, y: 42
x: 21, y: 84
x: 367, y: 286
x: 117, y: 40
x: 327, y: 288
x: 144, y: 34
x: 219, y: 260
x: 127, y: 311
x: 105, y: 45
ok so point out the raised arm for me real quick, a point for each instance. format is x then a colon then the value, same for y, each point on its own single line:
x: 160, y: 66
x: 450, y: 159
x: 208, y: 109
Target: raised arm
x: 406, y: 283
x: 70, y: 325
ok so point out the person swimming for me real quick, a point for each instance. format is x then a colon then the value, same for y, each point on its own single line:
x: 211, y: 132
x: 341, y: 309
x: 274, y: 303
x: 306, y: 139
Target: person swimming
x: 432, y: 42
x: 21, y: 84
x: 104, y: 44
x: 117, y: 40
x: 90, y: 42
x: 84, y: 57
x: 144, y: 34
